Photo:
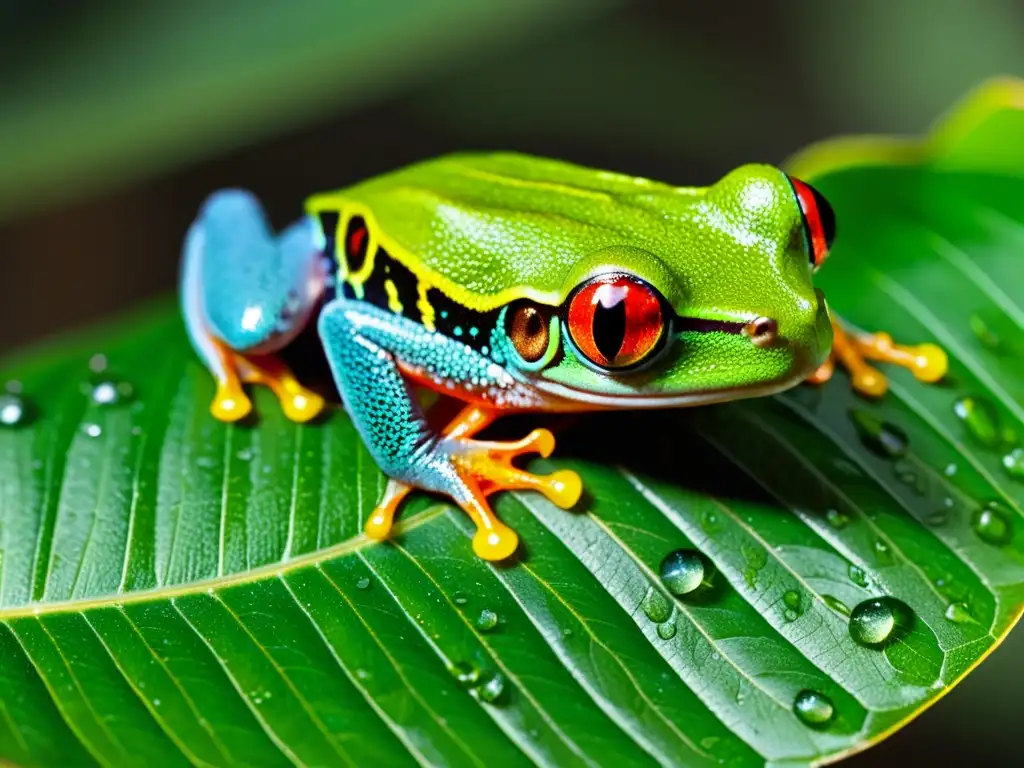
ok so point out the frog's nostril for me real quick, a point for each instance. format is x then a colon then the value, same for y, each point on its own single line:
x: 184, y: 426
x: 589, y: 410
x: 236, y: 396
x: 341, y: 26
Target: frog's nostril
x: 762, y: 331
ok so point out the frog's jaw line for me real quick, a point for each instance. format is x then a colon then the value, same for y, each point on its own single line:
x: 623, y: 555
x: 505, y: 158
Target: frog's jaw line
x: 582, y: 400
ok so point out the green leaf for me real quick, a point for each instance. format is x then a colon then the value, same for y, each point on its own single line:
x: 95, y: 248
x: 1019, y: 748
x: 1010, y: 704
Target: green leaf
x: 174, y: 590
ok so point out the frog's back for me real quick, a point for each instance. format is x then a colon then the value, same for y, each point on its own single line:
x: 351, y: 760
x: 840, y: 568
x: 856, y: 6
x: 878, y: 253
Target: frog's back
x: 486, y: 228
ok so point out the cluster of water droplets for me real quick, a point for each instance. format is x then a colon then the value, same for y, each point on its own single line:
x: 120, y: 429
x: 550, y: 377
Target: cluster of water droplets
x: 18, y: 410
x: 992, y: 521
x: 489, y: 686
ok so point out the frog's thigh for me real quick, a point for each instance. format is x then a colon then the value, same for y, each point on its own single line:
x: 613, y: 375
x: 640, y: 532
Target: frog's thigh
x: 233, y: 266
x: 378, y: 398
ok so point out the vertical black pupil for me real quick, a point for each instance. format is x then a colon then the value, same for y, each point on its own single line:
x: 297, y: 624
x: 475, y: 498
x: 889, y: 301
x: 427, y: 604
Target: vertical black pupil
x: 609, y: 328
x: 534, y: 323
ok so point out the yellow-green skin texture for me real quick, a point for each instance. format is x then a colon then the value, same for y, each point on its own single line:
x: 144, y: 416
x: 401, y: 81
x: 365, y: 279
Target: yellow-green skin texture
x: 487, y: 229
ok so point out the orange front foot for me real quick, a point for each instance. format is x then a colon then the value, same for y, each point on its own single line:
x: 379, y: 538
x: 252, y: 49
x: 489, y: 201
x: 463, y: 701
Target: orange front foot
x: 480, y: 469
x: 927, y: 362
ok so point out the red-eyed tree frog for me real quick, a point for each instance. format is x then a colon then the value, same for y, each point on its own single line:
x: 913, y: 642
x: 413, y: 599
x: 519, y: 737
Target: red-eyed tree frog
x: 516, y: 283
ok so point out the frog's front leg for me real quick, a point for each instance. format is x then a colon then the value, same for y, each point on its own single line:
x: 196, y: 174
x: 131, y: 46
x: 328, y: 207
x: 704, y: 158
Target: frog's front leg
x: 853, y: 350
x: 374, y: 355
x: 246, y: 294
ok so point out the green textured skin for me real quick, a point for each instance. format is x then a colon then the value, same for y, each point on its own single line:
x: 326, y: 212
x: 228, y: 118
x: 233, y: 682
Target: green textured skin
x: 487, y: 229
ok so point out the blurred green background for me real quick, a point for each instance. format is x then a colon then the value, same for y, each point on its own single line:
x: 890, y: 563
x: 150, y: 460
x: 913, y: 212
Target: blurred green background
x: 117, y: 119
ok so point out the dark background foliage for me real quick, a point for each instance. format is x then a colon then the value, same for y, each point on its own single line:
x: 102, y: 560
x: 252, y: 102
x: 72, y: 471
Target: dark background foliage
x: 117, y: 119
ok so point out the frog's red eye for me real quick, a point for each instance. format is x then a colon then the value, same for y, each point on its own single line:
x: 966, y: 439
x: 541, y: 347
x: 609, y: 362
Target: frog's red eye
x: 616, y: 320
x: 819, y: 220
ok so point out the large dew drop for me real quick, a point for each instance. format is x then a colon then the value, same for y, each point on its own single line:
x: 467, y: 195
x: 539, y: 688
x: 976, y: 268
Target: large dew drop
x: 813, y: 708
x: 993, y: 523
x: 682, y: 571
x: 879, y: 621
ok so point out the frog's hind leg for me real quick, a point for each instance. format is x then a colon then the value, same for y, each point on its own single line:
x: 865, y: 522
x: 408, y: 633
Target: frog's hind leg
x: 246, y: 294
x: 852, y: 351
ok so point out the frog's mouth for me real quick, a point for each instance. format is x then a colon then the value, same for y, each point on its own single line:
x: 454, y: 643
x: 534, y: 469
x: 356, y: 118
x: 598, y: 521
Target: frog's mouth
x: 570, y: 399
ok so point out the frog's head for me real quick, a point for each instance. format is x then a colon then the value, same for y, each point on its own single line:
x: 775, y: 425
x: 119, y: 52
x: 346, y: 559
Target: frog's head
x: 725, y: 309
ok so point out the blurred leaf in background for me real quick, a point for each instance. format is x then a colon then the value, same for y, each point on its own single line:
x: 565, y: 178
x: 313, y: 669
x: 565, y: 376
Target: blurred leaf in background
x: 131, y: 89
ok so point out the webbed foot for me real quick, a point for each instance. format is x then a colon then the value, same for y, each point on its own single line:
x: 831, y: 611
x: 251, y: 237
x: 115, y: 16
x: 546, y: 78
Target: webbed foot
x: 479, y: 468
x: 927, y: 362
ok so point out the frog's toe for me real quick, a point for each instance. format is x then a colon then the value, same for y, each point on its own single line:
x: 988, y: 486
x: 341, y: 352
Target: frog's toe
x: 298, y: 403
x: 381, y: 521
x: 495, y: 544
x: 852, y: 351
x: 491, y: 464
x: 930, y: 362
x: 476, y: 469
x: 231, y: 403
x: 301, y: 405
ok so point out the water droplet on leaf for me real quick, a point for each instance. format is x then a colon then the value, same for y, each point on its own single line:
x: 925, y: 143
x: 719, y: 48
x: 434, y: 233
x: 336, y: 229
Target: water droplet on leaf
x: 460, y: 598
x: 959, y: 613
x: 682, y: 571
x: 993, y: 523
x: 111, y: 392
x: 836, y: 604
x: 857, y: 575
x: 1013, y: 463
x: 363, y: 583
x: 92, y: 430
x: 656, y: 606
x: 880, y: 437
x: 982, y: 421
x: 878, y: 621
x: 813, y: 708
x: 837, y: 519
x: 756, y: 558
x: 667, y: 630
x: 492, y: 689
x: 487, y: 620
x: 14, y: 411
x: 465, y: 673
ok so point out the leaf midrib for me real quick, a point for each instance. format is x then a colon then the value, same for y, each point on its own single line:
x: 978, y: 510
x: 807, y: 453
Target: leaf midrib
x: 171, y: 592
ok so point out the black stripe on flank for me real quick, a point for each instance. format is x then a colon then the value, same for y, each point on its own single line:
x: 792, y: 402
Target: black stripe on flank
x: 329, y: 228
x: 458, y: 322
x: 406, y: 286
